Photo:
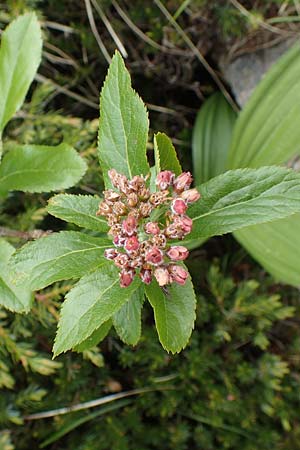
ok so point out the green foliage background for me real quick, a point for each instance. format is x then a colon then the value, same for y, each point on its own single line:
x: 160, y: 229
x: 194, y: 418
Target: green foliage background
x: 236, y: 386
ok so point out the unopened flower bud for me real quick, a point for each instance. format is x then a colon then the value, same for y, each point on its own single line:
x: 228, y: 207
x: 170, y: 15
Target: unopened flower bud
x: 119, y: 241
x: 191, y: 195
x: 159, y: 240
x: 154, y: 256
x: 158, y: 198
x: 179, y: 206
x: 126, y: 277
x: 110, y: 253
x: 162, y: 276
x: 146, y: 276
x: 152, y: 228
x: 111, y: 195
x: 178, y: 274
x: 182, y: 182
x: 119, y: 208
x: 121, y: 260
x: 178, y: 253
x: 113, y: 175
x: 131, y: 244
x: 144, y: 193
x: 104, y: 209
x: 137, y: 183
x: 145, y: 209
x: 115, y: 229
x: 184, y: 222
x: 164, y: 179
x: 132, y: 199
x: 129, y: 225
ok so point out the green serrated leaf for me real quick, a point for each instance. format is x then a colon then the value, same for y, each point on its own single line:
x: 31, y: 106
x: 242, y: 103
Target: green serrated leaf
x: 127, y: 321
x: 243, y: 197
x: 15, y: 297
x: 20, y: 56
x: 212, y: 134
x: 165, y: 154
x: 174, y: 313
x: 78, y: 209
x: 95, y: 338
x: 38, y: 168
x: 59, y: 256
x: 123, y: 125
x: 93, y: 301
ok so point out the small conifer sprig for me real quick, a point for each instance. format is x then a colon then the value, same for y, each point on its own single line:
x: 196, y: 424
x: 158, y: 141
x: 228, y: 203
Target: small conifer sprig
x: 142, y: 224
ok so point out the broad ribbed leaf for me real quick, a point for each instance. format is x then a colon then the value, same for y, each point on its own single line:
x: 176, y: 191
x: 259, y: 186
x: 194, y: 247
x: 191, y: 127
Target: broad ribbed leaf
x: 59, y: 256
x: 165, y: 154
x: 212, y: 134
x: 243, y: 197
x: 93, y: 300
x: 95, y: 338
x: 127, y: 321
x: 16, y: 297
x: 78, y: 209
x: 276, y: 246
x: 174, y: 313
x: 123, y: 125
x: 267, y: 130
x: 20, y: 56
x: 38, y: 168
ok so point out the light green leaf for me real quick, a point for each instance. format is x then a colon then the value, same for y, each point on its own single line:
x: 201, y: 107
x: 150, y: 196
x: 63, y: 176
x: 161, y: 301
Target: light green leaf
x: 78, y: 209
x: 266, y: 131
x: 276, y: 246
x: 212, y: 134
x: 165, y: 154
x: 93, y: 300
x: 15, y: 297
x: 243, y: 197
x: 123, y: 125
x: 95, y: 338
x: 59, y: 256
x: 20, y: 56
x: 127, y: 321
x: 174, y: 313
x: 38, y: 168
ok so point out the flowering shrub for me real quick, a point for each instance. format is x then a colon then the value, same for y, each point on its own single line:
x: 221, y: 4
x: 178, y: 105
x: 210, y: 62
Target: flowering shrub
x: 145, y: 210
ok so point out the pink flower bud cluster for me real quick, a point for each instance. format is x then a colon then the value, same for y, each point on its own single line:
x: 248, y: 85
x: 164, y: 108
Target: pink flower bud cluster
x: 141, y: 242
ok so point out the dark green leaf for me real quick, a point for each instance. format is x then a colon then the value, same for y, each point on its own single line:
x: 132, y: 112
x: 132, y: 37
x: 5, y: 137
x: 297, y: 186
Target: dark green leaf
x: 60, y: 256
x: 243, y: 197
x: 38, y: 168
x: 165, y: 154
x: 174, y: 313
x: 16, y: 297
x: 20, y: 56
x: 123, y: 126
x: 127, y: 321
x: 78, y: 209
x: 93, y: 300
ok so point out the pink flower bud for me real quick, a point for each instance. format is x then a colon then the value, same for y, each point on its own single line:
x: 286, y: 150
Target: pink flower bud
x: 129, y: 225
x: 179, y: 206
x: 178, y: 274
x: 121, y: 260
x: 191, y: 195
x: 119, y: 241
x: 178, y: 253
x: 146, y: 276
x: 182, y: 182
x: 154, y: 256
x: 131, y: 244
x: 152, y: 228
x: 164, y: 179
x: 162, y: 276
x: 126, y: 277
x: 185, y: 223
x: 110, y: 253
